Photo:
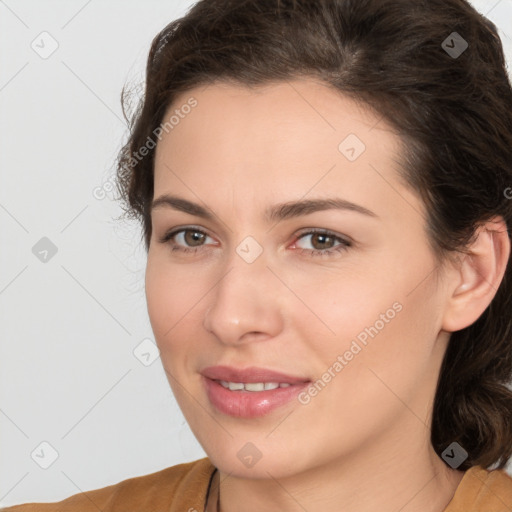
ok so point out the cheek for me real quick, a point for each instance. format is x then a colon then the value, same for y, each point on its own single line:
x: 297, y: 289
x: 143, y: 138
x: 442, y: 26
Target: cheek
x: 336, y: 304
x: 385, y: 361
x: 381, y: 322
x: 172, y: 295
x: 160, y: 298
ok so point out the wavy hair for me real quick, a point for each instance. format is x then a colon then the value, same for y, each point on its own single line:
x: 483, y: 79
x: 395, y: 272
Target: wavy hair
x: 450, y: 105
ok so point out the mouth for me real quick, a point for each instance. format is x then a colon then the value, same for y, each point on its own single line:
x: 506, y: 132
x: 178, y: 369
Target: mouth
x: 251, y: 392
x: 251, y: 375
x: 253, y: 387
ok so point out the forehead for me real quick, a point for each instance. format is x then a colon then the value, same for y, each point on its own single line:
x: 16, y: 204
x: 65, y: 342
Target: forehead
x: 304, y: 104
x: 279, y: 119
x: 300, y: 136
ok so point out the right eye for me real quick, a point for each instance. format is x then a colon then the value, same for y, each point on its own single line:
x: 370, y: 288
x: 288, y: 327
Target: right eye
x: 190, y: 239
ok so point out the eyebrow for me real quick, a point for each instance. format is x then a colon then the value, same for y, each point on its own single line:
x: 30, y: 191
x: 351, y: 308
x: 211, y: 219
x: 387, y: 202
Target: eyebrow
x: 277, y: 212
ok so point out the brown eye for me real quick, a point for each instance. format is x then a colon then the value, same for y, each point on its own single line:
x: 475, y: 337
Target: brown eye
x: 321, y: 241
x: 185, y: 239
x: 194, y: 238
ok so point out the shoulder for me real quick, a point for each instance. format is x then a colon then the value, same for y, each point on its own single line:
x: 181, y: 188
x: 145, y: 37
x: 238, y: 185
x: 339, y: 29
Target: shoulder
x: 161, y: 489
x: 481, y: 490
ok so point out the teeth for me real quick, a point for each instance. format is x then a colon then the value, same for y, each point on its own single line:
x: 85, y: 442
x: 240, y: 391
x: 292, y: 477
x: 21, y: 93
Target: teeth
x: 233, y: 386
x: 253, y: 386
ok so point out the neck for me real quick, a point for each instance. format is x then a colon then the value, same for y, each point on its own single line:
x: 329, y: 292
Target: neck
x: 402, y: 477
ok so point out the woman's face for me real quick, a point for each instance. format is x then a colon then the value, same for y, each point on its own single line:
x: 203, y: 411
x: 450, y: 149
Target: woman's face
x: 356, y: 311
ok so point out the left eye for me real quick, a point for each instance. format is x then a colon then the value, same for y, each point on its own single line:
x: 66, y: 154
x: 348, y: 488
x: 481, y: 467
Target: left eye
x: 322, y: 242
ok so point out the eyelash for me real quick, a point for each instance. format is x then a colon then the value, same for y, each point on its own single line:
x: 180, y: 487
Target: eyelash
x: 345, y: 244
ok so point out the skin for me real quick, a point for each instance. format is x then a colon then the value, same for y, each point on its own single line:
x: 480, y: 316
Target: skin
x: 363, y: 443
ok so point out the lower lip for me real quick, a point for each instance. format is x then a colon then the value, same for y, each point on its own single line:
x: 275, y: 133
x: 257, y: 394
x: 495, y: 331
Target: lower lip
x: 249, y: 404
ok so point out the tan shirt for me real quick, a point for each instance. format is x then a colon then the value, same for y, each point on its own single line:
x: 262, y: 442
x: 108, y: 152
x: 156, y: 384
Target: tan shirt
x: 184, y: 487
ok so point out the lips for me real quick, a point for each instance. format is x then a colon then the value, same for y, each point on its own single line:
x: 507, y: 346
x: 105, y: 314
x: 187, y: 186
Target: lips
x: 248, y: 375
x: 250, y: 403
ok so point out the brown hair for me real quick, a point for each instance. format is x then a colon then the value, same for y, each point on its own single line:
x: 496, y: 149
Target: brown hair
x: 452, y: 111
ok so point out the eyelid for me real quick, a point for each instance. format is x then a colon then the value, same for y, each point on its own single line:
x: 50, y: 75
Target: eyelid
x: 344, y: 241
x: 305, y: 231
x: 171, y: 233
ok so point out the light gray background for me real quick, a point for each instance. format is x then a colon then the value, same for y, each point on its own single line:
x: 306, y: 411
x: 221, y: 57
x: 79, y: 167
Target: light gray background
x: 69, y: 327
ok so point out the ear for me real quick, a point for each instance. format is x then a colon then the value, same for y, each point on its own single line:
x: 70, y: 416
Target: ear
x: 478, y: 276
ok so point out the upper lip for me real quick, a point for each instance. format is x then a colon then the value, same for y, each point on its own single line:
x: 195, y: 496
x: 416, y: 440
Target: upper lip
x: 251, y: 374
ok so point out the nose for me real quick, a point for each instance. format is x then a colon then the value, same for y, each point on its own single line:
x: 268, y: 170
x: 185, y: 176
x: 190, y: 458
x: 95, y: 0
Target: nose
x: 245, y: 304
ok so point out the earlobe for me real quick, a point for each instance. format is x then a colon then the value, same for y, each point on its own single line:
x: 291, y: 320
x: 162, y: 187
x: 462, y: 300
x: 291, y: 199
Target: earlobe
x: 479, y: 275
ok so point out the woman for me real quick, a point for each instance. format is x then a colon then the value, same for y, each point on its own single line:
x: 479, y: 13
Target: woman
x: 324, y: 189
